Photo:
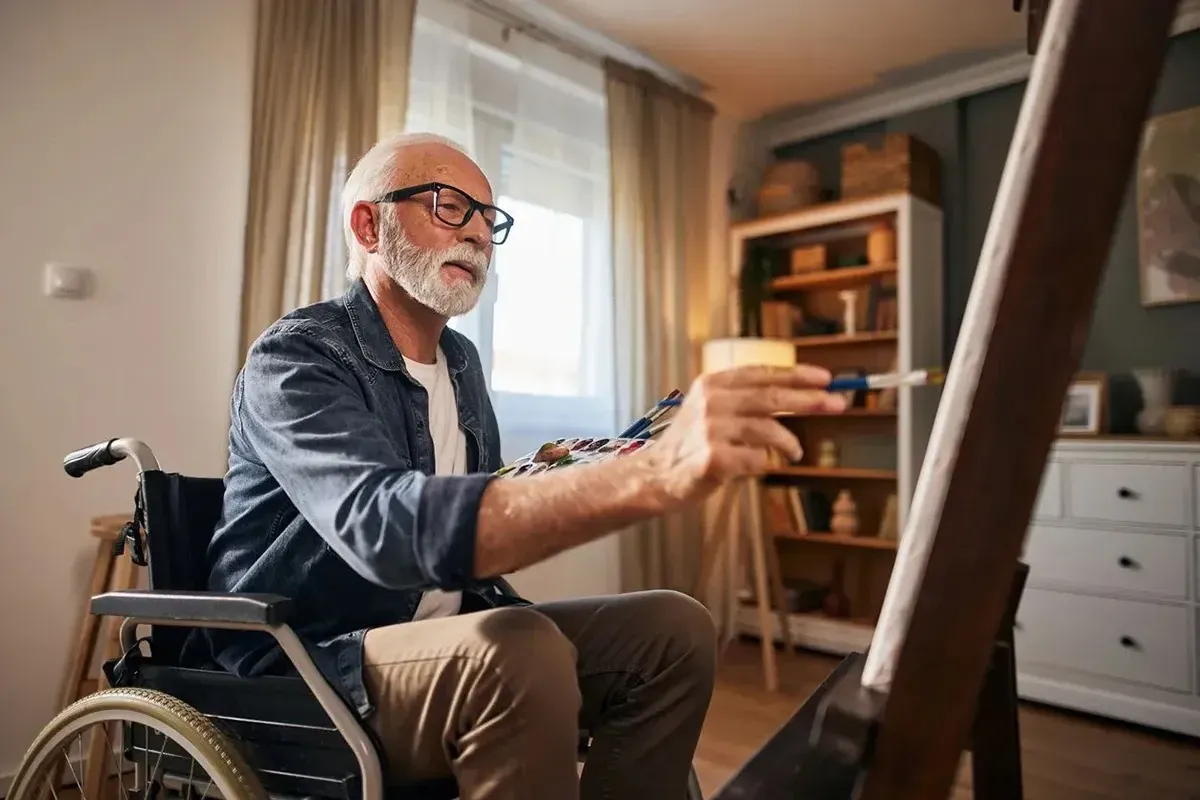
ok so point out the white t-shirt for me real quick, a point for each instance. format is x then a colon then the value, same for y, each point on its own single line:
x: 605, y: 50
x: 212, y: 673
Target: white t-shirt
x: 450, y: 458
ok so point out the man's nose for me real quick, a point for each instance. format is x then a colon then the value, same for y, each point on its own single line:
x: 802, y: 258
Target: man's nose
x: 476, y: 231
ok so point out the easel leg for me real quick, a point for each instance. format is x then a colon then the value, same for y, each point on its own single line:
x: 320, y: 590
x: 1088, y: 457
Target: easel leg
x: 995, y: 736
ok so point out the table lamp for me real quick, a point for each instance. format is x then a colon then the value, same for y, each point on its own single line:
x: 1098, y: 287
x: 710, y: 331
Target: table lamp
x: 721, y: 354
x: 722, y: 534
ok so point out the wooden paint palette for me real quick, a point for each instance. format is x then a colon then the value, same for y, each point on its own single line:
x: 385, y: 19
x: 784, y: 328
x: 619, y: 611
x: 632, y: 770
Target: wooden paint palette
x: 565, y: 452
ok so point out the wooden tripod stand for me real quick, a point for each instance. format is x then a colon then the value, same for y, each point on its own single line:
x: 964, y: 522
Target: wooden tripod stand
x: 721, y: 542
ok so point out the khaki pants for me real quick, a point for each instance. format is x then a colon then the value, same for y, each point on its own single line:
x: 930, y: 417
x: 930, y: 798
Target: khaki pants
x: 496, y: 698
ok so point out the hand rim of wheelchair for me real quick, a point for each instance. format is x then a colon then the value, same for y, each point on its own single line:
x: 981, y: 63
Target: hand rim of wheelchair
x: 111, y: 451
x: 169, y: 716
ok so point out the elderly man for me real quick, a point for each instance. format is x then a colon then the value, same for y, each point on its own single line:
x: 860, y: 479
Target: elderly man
x: 361, y: 446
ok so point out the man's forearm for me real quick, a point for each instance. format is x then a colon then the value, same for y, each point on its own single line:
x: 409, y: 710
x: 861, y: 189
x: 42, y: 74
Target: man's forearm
x: 526, y: 520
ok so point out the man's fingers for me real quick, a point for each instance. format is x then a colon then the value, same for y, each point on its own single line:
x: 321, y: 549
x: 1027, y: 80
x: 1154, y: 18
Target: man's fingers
x: 771, y: 400
x: 799, y: 376
x: 736, y: 461
x: 759, y: 433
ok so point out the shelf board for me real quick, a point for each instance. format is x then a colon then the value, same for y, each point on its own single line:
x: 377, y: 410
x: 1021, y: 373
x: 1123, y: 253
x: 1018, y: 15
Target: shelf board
x: 867, y: 542
x: 830, y: 278
x: 840, y: 339
x: 812, y: 630
x: 849, y: 473
x: 822, y: 215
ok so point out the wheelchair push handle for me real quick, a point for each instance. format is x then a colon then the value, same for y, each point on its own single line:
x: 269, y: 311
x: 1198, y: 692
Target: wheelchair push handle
x: 106, y: 453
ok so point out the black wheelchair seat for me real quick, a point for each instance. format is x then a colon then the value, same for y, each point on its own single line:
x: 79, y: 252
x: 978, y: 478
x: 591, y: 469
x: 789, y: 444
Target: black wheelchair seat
x: 280, y: 729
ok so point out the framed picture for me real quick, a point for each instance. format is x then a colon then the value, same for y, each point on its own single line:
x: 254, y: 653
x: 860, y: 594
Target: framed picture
x: 1168, y: 208
x: 1084, y: 406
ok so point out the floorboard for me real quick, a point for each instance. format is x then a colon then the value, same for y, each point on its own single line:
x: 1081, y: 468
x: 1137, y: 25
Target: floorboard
x: 1066, y: 756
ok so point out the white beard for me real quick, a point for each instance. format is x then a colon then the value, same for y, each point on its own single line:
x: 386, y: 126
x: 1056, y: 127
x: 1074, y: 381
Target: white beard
x: 418, y: 271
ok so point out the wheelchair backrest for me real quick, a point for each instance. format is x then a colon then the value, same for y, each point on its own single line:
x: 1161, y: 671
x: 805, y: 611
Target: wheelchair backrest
x: 180, y: 514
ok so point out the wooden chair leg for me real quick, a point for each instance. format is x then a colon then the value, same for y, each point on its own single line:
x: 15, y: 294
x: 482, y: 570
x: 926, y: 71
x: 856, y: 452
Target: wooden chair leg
x: 74, y: 685
x: 100, y: 754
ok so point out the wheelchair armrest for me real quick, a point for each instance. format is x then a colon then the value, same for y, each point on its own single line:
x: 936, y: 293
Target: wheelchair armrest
x: 266, y: 610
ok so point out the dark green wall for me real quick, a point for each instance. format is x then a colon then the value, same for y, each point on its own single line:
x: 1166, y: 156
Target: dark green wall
x: 972, y: 137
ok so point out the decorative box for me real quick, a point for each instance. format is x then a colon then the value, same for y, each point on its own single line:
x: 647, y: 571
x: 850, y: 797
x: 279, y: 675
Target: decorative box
x: 902, y: 164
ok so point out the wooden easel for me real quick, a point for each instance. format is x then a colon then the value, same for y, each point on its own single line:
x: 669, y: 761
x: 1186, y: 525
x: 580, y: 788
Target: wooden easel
x: 995, y: 741
x: 721, y: 540
x: 912, y: 701
x: 110, y: 573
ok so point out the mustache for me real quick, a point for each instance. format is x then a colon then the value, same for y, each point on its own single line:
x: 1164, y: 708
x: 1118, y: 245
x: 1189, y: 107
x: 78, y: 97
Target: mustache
x: 465, y: 254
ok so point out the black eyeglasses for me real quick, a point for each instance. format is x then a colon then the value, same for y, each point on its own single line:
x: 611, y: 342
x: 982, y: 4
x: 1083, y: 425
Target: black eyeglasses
x: 455, y: 207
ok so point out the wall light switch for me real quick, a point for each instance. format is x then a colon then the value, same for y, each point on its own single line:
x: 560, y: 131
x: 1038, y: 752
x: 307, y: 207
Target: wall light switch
x: 65, y: 281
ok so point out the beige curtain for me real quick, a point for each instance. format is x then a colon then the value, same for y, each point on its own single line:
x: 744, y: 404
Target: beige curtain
x: 330, y: 78
x: 660, y: 141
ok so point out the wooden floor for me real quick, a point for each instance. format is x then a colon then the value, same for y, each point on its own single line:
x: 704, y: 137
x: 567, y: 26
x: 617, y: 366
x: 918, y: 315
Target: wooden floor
x: 1065, y: 756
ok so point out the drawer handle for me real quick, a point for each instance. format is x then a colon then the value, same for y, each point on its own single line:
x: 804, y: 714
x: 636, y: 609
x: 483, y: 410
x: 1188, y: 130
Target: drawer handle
x: 1126, y: 493
x: 1127, y: 562
x: 1129, y: 642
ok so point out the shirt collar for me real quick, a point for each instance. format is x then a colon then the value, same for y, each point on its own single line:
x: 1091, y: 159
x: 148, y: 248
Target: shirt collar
x: 375, y: 341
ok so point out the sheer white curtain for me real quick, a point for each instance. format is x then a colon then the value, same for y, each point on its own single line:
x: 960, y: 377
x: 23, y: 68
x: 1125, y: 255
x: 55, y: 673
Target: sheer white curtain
x: 535, y: 119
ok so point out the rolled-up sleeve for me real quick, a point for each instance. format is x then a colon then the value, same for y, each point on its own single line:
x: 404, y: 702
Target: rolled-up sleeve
x: 303, y: 412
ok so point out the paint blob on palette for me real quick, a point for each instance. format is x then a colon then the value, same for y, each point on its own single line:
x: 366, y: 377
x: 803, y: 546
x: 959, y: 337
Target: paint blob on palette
x: 565, y: 452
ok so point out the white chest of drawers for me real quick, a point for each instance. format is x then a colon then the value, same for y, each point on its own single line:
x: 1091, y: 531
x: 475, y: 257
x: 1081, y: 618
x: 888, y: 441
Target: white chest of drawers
x: 1110, y: 619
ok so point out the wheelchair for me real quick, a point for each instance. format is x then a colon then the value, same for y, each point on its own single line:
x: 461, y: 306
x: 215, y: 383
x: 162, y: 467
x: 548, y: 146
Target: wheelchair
x: 284, y: 737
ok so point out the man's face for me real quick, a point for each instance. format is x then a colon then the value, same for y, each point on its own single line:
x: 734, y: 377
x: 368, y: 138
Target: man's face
x: 441, y: 266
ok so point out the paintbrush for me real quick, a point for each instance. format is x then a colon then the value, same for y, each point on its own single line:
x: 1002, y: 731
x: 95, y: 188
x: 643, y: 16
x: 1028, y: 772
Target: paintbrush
x: 643, y: 423
x: 886, y: 380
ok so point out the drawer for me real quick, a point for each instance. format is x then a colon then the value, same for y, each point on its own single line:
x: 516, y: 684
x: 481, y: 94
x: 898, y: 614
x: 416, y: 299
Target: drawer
x: 1050, y: 495
x: 1145, y: 563
x: 1128, y: 640
x: 1144, y: 494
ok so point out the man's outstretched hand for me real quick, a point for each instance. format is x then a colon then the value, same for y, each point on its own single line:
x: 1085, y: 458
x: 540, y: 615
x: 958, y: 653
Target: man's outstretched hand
x: 727, y: 427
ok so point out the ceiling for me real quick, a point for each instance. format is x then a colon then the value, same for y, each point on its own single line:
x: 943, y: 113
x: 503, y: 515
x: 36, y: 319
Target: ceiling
x: 758, y: 56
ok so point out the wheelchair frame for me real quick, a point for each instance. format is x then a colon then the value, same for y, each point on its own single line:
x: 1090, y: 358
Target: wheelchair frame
x: 265, y: 613
x: 257, y: 612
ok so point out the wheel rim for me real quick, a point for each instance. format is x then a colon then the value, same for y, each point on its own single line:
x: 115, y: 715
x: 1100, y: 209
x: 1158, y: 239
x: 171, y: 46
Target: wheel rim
x: 219, y: 762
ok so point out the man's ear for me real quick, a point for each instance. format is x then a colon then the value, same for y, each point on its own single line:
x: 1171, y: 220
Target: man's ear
x: 365, y: 225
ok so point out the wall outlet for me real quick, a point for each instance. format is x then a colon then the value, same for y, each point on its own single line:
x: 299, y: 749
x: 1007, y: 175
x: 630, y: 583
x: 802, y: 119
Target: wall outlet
x: 65, y: 281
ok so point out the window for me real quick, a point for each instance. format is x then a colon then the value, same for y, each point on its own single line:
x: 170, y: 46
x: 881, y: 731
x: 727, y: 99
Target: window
x: 534, y: 118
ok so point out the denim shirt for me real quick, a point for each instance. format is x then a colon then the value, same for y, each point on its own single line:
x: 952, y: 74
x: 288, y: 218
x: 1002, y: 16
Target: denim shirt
x: 330, y: 497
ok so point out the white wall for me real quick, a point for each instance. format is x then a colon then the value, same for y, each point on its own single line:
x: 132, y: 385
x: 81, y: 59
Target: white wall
x: 124, y: 134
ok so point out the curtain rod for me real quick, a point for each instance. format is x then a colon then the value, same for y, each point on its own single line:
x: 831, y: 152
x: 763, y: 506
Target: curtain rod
x: 570, y: 46
x: 524, y: 26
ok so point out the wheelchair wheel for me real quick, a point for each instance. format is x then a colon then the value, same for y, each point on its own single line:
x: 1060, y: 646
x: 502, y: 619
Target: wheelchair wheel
x: 164, y: 739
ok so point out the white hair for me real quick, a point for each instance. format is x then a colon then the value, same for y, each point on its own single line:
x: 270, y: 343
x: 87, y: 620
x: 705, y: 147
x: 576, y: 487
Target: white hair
x: 371, y: 178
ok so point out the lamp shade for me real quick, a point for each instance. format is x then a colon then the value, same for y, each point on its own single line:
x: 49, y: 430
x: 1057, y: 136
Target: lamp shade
x: 743, y: 351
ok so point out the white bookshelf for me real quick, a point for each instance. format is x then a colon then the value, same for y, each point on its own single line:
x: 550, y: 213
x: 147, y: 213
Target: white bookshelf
x: 915, y: 342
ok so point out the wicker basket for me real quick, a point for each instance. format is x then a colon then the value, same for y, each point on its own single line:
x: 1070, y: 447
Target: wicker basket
x: 787, y: 186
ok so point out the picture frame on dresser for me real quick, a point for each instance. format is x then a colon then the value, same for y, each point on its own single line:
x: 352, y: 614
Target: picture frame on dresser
x: 1085, y: 407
